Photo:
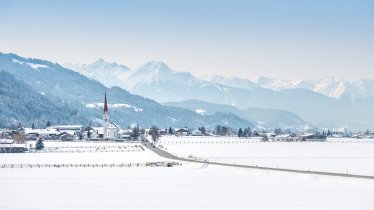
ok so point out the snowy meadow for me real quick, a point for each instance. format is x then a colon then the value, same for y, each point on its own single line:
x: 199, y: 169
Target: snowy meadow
x: 335, y: 155
x: 190, y: 186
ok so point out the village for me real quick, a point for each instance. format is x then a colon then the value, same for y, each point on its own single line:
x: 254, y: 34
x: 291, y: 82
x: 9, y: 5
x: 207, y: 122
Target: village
x: 13, y: 140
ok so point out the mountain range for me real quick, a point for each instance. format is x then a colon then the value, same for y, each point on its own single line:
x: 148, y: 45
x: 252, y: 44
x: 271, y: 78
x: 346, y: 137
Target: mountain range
x: 67, y: 96
x: 329, y: 102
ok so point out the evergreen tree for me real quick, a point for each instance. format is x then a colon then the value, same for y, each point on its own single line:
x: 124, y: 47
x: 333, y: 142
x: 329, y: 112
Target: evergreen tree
x: 48, y: 124
x: 218, y: 130
x: 240, y: 132
x: 39, y: 144
x: 33, y: 126
x: 170, y: 131
x: 247, y: 132
x: 202, y: 129
x: 277, y: 131
x: 135, y: 132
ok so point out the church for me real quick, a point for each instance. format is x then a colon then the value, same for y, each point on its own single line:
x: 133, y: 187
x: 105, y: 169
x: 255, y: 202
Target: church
x: 110, y: 130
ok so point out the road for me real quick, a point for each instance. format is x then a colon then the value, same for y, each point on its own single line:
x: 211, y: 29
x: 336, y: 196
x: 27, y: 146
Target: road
x: 165, y: 154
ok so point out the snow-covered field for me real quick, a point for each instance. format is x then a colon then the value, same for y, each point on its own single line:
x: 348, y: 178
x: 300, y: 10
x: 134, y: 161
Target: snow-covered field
x: 335, y: 155
x: 73, y: 157
x: 193, y: 186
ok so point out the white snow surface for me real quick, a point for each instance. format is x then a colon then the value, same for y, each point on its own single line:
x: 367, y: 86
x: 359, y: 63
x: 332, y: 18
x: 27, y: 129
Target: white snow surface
x: 336, y: 155
x: 193, y: 186
x: 200, y: 111
x: 73, y: 157
x: 32, y: 65
x: 114, y: 106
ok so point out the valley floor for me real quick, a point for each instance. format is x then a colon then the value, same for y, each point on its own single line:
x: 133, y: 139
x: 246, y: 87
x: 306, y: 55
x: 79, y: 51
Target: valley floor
x: 335, y: 155
x: 194, y: 186
x: 190, y: 186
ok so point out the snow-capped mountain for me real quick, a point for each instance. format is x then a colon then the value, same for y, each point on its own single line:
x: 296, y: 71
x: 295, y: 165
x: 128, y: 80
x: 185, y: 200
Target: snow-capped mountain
x: 100, y: 69
x: 323, y: 102
x: 155, y: 74
x: 366, y: 86
x: 62, y: 95
x: 158, y: 81
x: 232, y: 82
x: 332, y: 87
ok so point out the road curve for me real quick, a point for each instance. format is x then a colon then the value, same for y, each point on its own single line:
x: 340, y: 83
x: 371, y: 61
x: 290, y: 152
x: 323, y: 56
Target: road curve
x: 165, y: 154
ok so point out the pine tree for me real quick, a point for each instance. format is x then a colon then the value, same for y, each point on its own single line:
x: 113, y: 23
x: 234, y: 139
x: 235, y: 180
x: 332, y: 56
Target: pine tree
x: 240, y: 132
x: 33, y: 126
x: 48, y: 124
x: 170, y: 131
x: 39, y: 144
x: 202, y: 129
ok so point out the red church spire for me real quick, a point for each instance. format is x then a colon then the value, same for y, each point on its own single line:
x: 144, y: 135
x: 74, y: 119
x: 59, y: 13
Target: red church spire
x: 105, y: 105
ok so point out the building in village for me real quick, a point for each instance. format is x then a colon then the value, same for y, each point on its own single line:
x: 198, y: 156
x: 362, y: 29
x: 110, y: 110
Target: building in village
x: 109, y: 130
x: 181, y: 131
x: 312, y: 137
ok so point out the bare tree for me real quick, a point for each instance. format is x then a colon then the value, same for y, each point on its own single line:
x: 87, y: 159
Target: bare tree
x: 154, y: 134
x: 19, y: 138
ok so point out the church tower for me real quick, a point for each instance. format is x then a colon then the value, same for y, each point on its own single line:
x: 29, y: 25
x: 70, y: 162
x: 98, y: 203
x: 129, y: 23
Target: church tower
x: 105, y: 119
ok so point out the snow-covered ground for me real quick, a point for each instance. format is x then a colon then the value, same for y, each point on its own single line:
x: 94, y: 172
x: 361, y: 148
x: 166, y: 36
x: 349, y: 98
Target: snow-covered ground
x: 194, y: 186
x: 133, y: 155
x: 191, y: 186
x: 335, y: 155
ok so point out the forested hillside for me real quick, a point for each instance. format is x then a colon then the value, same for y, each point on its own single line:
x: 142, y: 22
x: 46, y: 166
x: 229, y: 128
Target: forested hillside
x: 21, y: 104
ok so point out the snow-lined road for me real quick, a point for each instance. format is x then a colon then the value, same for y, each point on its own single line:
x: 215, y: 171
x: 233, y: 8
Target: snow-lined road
x: 165, y: 154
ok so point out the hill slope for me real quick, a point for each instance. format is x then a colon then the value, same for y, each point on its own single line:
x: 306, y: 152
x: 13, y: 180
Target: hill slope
x: 265, y: 117
x: 21, y: 104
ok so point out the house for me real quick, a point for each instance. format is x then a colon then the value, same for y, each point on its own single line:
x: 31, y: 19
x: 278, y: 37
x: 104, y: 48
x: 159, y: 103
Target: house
x: 46, y: 133
x: 196, y: 133
x: 12, y: 148
x: 72, y: 129
x: 88, y: 132
x: 65, y: 136
x: 312, y: 137
x: 181, y: 131
x: 163, y: 131
x: 125, y: 134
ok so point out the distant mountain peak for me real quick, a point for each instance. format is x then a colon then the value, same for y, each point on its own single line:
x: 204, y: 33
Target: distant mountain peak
x: 155, y: 67
x: 100, y: 61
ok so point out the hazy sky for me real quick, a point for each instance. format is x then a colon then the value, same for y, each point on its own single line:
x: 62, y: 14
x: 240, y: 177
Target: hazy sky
x: 281, y: 39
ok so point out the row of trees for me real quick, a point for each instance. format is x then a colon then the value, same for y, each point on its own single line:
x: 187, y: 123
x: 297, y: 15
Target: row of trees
x: 246, y: 132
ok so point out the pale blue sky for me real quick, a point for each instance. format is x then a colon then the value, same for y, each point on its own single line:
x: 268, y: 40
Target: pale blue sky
x: 281, y: 39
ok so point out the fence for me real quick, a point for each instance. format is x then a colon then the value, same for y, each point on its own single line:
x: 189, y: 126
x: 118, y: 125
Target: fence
x: 93, y: 165
x: 83, y: 149
x: 249, y: 140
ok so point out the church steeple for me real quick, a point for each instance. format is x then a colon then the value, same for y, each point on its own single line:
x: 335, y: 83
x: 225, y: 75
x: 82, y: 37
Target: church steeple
x: 105, y: 119
x: 105, y: 105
